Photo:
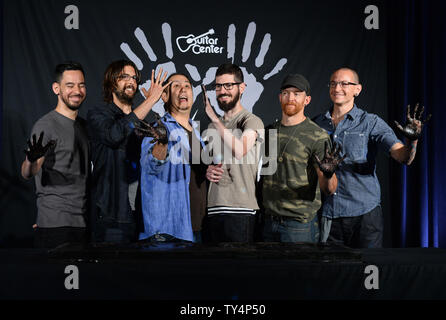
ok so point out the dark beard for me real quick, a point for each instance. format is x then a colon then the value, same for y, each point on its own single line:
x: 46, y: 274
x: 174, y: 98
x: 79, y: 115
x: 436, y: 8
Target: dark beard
x: 226, y: 106
x: 71, y: 106
x: 123, y: 97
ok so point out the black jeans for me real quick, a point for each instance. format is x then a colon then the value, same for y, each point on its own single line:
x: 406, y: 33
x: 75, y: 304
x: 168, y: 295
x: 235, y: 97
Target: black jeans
x: 365, y: 231
x: 53, y: 237
x: 229, y: 228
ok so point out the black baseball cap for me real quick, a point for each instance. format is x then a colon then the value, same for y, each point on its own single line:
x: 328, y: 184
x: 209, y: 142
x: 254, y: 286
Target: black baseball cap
x: 298, y: 81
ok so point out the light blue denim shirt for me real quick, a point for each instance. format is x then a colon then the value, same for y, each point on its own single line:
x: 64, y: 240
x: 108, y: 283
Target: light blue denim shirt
x: 361, y: 134
x: 165, y: 184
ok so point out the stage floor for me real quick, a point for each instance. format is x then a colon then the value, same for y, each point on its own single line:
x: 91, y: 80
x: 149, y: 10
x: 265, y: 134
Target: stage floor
x: 229, y: 271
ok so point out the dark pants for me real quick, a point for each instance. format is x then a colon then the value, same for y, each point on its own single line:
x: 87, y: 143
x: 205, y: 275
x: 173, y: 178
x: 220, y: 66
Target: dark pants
x: 229, y: 228
x: 114, y: 232
x: 365, y: 231
x: 53, y: 237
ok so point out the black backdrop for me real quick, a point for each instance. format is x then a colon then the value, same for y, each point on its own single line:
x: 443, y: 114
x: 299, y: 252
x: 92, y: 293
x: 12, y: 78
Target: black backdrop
x: 308, y: 37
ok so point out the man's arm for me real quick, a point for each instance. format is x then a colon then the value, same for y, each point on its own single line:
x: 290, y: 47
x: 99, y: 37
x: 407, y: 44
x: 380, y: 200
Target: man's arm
x: 35, y: 156
x: 404, y: 154
x: 412, y: 131
x: 30, y: 169
x: 152, y: 95
x: 240, y: 147
x: 328, y: 182
x: 327, y: 185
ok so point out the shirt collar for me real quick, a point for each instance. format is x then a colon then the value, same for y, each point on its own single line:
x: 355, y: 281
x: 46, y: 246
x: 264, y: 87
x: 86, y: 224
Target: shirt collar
x: 168, y: 118
x: 352, y: 114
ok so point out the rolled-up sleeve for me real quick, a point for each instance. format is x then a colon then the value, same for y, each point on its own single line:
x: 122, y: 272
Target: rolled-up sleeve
x: 150, y: 164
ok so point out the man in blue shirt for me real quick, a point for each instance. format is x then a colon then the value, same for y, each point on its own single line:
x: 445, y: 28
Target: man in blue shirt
x: 352, y: 216
x: 171, y: 172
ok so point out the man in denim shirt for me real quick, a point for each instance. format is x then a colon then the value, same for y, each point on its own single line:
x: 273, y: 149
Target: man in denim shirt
x: 352, y: 215
x: 167, y: 175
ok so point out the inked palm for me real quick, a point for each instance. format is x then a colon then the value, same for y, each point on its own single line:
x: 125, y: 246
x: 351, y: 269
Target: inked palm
x: 414, y: 125
x: 158, y: 132
x: 331, y: 160
x: 36, y: 150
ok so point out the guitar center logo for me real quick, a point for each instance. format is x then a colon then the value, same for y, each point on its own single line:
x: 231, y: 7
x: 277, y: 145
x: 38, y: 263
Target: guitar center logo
x: 199, y: 44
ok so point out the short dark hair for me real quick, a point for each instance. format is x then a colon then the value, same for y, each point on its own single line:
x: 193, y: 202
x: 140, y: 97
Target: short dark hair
x: 66, y: 66
x: 229, y: 68
x: 113, y: 71
x: 167, y: 105
x: 355, y: 74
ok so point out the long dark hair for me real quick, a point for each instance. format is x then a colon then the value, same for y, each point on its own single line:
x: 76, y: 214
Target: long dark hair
x: 114, y: 70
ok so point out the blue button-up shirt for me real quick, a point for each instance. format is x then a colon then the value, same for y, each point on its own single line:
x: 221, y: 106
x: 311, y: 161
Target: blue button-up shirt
x: 165, y: 184
x: 361, y: 134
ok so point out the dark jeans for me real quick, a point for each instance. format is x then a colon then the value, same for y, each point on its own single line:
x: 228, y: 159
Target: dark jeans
x: 365, y: 231
x: 229, y: 228
x: 284, y: 229
x: 114, y: 232
x: 53, y: 237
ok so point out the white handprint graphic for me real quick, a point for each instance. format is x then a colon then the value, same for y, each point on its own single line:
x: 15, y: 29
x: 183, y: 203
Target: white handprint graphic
x: 254, y: 86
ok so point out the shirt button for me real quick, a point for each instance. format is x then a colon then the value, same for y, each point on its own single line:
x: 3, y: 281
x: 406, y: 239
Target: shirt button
x: 335, y: 136
x: 335, y: 194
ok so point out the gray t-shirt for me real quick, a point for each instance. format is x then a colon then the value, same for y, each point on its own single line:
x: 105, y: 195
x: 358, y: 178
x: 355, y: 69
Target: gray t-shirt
x: 62, y: 181
x: 238, y: 183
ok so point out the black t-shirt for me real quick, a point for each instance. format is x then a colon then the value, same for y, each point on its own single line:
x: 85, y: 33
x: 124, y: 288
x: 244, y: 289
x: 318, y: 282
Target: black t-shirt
x: 197, y: 186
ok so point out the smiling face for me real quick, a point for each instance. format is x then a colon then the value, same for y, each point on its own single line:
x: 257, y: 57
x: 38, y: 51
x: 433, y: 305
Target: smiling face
x: 126, y: 86
x: 293, y: 101
x: 71, y: 89
x: 178, y: 97
x: 344, y: 96
x: 228, y: 99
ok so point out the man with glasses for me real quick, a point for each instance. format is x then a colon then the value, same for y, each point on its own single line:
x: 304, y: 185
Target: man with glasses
x: 352, y: 216
x: 305, y: 167
x: 116, y: 148
x: 235, y: 144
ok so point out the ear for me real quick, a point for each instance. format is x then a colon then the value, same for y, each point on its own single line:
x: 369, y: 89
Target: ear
x: 165, y: 95
x: 358, y: 90
x: 56, y: 88
x: 307, y: 100
x: 242, y: 87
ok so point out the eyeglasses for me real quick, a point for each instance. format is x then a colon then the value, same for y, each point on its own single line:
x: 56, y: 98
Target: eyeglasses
x: 127, y: 77
x: 227, y: 85
x: 343, y: 84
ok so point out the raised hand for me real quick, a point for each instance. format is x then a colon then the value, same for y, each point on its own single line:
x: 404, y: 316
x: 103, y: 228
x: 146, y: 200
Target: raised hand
x: 207, y: 105
x: 158, y: 133
x: 331, y: 160
x: 156, y: 86
x: 414, y: 125
x: 36, y: 150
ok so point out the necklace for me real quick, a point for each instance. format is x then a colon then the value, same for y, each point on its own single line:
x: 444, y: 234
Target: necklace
x: 286, y: 144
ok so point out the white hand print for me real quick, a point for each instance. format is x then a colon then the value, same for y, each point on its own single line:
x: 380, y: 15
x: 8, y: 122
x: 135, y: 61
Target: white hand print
x: 254, y: 86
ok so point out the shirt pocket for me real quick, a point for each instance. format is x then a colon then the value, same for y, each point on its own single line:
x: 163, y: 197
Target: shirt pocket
x: 354, y: 146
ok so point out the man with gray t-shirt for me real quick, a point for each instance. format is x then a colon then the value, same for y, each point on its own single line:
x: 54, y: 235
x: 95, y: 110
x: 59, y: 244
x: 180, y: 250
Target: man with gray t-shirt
x: 235, y: 141
x: 59, y: 160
